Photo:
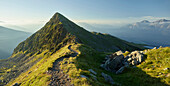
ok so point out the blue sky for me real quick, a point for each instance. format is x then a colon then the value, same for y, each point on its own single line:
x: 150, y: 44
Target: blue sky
x: 33, y: 14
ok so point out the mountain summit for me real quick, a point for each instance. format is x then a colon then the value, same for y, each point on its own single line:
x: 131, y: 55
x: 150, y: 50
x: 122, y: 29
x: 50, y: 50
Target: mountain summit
x: 60, y: 31
x: 162, y: 20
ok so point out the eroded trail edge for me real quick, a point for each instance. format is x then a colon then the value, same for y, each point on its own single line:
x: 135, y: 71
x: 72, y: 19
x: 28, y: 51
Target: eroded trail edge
x: 58, y: 77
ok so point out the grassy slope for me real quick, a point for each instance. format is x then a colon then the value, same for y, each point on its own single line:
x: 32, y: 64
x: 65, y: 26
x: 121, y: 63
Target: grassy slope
x: 98, y: 41
x: 89, y: 58
x: 157, y: 60
x: 38, y: 75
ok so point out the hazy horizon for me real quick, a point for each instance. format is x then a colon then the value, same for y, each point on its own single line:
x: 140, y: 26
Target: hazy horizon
x: 31, y: 15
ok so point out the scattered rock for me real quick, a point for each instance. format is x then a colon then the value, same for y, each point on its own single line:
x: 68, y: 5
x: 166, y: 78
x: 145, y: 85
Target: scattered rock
x: 94, y: 77
x: 119, y: 52
x: 134, y: 62
x: 16, y: 84
x: 83, y: 76
x: 154, y: 48
x: 92, y: 71
x: 102, y: 66
x: 120, y: 70
x: 160, y: 73
x: 29, y: 72
x: 166, y: 68
x: 129, y: 60
x: 108, y: 78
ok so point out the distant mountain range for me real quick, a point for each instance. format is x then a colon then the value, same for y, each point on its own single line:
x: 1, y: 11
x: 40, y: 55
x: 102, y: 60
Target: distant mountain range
x: 9, y: 39
x: 154, y: 33
x: 160, y: 25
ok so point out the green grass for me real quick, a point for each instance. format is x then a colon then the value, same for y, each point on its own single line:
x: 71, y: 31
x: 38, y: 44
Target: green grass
x: 157, y: 60
x: 38, y: 75
x: 88, y: 58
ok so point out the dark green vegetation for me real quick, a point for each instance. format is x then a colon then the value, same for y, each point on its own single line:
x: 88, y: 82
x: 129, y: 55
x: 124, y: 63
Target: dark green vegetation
x: 9, y: 39
x: 33, y: 57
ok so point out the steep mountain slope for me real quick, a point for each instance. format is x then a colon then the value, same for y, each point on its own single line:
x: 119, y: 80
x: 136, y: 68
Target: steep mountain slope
x: 9, y: 38
x: 61, y: 30
x: 37, y: 53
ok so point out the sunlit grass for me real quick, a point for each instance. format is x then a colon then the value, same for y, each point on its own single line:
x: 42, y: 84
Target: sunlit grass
x: 36, y: 75
x: 156, y: 62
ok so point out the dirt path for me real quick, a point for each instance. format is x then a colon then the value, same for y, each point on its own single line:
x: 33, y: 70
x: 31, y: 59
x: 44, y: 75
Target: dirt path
x: 58, y: 77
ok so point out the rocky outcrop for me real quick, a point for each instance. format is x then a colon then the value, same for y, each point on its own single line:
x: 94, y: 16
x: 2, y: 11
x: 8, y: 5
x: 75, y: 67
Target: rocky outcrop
x: 135, y: 58
x: 117, y: 62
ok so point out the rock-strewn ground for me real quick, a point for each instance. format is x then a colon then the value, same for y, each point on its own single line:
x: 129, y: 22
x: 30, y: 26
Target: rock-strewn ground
x: 116, y: 62
x: 58, y: 77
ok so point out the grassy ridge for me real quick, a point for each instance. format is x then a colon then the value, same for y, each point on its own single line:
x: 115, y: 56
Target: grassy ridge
x: 88, y: 58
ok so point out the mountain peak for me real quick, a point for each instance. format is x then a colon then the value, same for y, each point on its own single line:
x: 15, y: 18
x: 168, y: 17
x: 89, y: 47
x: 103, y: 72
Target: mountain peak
x: 163, y: 20
x: 58, y: 16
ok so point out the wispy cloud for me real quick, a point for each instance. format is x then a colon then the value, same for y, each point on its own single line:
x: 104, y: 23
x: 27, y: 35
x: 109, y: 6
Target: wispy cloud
x: 121, y: 21
x: 150, y: 18
x: 104, y: 21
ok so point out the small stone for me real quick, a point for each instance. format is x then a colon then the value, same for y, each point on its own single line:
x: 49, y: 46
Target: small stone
x: 166, y: 69
x: 134, y: 62
x: 83, y: 76
x: 160, y: 73
x: 102, y: 65
x: 160, y: 47
x: 16, y: 84
x: 92, y: 71
x: 94, y: 77
x: 119, y: 52
x: 120, y: 70
x: 154, y: 48
x: 129, y: 60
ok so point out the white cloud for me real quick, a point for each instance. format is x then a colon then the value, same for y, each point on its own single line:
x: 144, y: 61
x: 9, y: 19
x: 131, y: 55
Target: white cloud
x: 121, y: 21
x: 150, y: 18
